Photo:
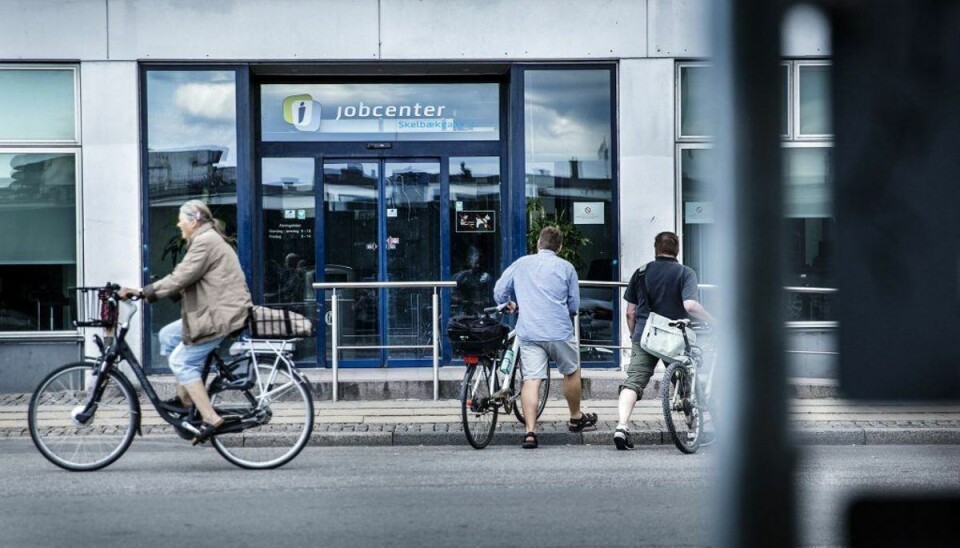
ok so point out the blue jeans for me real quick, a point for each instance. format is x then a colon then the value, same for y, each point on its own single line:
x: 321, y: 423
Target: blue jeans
x: 186, y: 361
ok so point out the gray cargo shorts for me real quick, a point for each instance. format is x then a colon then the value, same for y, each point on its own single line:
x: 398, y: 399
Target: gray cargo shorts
x: 535, y: 357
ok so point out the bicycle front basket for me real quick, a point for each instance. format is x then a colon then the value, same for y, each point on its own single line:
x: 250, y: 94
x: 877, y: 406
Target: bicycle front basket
x: 96, y: 307
x: 476, y: 335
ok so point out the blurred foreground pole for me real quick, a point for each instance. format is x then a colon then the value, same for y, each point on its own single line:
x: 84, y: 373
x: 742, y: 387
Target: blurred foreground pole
x: 755, y: 504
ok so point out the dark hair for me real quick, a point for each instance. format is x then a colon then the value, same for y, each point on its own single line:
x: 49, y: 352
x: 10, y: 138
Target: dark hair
x: 550, y: 238
x: 667, y: 243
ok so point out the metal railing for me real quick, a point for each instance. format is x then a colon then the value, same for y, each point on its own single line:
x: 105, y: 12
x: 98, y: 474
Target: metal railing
x: 576, y: 324
x: 335, y: 326
x: 434, y: 345
x: 710, y: 287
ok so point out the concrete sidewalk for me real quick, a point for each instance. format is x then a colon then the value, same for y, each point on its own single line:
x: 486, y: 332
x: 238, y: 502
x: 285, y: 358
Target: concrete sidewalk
x: 397, y: 422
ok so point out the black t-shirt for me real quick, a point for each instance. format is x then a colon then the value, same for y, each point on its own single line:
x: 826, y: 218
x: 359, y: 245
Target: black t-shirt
x: 668, y: 284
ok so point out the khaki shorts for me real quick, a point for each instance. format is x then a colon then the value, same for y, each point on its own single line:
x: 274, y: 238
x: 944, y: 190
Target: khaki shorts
x: 639, y: 370
x: 535, y: 356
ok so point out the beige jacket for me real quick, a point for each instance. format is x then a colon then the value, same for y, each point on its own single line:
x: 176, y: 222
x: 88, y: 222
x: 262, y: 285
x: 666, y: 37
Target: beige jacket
x: 216, y: 300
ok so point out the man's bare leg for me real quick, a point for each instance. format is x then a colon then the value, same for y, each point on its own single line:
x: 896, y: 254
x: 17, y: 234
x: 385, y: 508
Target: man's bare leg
x: 529, y: 398
x: 183, y: 395
x: 626, y: 402
x: 573, y: 392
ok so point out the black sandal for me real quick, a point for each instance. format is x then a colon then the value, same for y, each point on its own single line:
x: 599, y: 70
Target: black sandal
x: 586, y: 420
x: 530, y: 441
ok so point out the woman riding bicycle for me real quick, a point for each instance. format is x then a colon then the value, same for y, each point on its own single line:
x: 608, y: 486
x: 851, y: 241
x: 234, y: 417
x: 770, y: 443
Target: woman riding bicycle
x: 216, y: 303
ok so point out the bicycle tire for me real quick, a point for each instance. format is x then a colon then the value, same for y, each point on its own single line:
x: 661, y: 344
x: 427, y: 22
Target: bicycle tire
x: 684, y: 420
x: 61, y: 439
x: 476, y: 406
x: 264, y: 447
x: 516, y: 384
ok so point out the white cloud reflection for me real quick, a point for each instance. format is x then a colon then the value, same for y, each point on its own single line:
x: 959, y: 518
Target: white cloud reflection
x: 207, y: 100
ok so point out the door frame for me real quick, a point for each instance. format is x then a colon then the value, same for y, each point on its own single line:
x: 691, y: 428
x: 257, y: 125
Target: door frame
x: 383, y: 274
x: 385, y: 150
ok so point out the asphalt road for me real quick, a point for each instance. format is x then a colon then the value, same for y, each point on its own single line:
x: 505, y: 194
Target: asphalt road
x: 164, y: 493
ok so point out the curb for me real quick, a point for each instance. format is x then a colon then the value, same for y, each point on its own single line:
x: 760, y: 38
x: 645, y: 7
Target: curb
x: 800, y: 437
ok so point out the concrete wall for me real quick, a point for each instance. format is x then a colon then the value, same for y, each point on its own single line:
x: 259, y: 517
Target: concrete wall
x: 24, y: 363
x: 359, y: 30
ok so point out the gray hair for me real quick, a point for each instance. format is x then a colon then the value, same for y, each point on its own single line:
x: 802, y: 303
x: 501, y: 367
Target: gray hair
x: 197, y: 211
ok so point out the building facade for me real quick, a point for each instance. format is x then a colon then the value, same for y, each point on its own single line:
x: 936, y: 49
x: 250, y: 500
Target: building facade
x: 373, y: 140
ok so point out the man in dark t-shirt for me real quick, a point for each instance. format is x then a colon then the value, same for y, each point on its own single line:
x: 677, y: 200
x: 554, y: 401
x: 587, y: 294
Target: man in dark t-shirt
x: 669, y: 289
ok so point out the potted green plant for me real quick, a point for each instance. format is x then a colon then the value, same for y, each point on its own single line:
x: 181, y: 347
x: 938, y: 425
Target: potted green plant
x: 573, y: 239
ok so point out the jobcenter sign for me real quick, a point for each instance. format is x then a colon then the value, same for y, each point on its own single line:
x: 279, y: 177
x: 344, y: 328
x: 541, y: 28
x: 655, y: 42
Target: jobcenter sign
x: 362, y: 111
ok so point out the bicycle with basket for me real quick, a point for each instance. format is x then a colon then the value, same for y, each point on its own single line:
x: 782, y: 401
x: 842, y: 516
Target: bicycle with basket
x: 84, y: 415
x: 493, y: 378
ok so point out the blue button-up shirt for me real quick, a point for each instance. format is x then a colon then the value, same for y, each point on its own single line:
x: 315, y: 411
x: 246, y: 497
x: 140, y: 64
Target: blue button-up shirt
x: 547, y: 293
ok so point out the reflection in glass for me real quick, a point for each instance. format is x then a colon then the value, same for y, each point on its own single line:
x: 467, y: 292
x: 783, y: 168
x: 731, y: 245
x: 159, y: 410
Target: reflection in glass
x: 351, y: 245
x: 412, y: 245
x: 38, y: 251
x: 475, y: 238
x: 810, y: 225
x: 694, y: 101
x: 815, y: 100
x: 784, y: 99
x: 37, y: 104
x: 810, y: 230
x: 191, y: 154
x: 568, y: 166
x: 289, y: 214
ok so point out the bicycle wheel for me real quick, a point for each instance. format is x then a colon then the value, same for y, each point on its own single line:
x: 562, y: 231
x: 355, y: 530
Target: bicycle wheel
x: 62, y: 438
x: 478, y: 412
x: 280, y: 404
x: 680, y: 411
x: 516, y: 383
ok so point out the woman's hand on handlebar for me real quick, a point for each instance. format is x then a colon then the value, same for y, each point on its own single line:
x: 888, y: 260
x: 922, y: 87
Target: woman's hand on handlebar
x: 128, y: 293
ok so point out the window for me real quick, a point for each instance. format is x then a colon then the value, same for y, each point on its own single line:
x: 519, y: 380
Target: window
x: 191, y: 137
x: 807, y: 168
x: 38, y: 104
x: 569, y: 182
x: 39, y: 149
x: 474, y: 246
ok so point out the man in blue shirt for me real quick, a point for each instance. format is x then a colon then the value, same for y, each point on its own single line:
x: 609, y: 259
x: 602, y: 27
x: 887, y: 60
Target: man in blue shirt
x: 546, y: 290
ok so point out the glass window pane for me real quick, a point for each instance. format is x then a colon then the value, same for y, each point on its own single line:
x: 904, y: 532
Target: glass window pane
x: 37, y: 105
x: 38, y: 253
x: 695, y: 101
x: 477, y: 225
x: 815, y: 100
x: 191, y: 154
x: 699, y: 232
x: 289, y: 216
x: 390, y: 112
x: 411, y: 192
x: 568, y: 183
x: 784, y: 99
x: 351, y: 251
x: 808, y: 177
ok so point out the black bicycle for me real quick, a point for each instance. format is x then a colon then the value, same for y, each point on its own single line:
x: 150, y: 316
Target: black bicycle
x: 491, y: 352
x: 84, y: 415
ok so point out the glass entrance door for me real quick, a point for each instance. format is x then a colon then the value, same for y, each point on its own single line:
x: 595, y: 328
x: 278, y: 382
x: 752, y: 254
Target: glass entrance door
x: 382, y: 223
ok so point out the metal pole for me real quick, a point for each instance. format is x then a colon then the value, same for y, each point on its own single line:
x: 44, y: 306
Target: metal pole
x: 756, y: 462
x: 436, y: 345
x: 334, y: 340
